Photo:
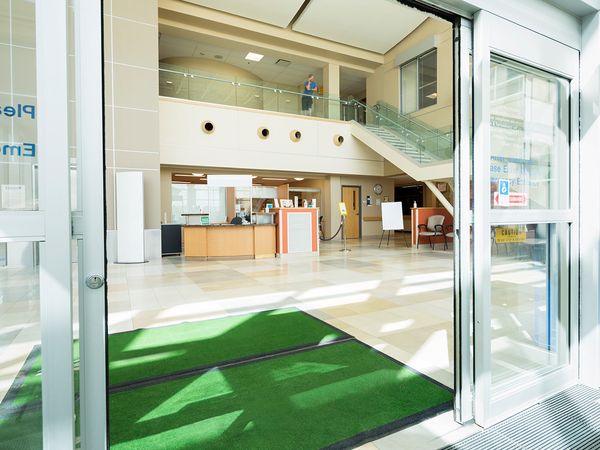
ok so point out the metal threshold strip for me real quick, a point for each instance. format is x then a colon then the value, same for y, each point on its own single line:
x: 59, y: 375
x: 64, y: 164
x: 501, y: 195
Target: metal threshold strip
x: 569, y: 420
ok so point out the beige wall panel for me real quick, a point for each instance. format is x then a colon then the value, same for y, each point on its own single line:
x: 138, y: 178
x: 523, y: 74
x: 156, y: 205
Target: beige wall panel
x: 135, y: 43
x: 107, y: 35
x: 5, y: 85
x: 135, y: 160
x: 132, y: 85
x: 108, y: 127
x: 136, y: 130
x: 235, y: 142
x: 145, y: 11
x: 23, y: 78
x: 166, y: 210
x: 4, y: 23
x: 108, y: 83
x: 23, y: 26
x: 110, y: 196
x: 151, y: 199
x: 108, y: 6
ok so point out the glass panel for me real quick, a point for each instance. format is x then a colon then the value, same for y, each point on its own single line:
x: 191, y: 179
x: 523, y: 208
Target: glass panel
x: 529, y: 138
x: 428, y: 79
x: 408, y: 93
x: 18, y: 134
x: 20, y: 349
x: 529, y: 322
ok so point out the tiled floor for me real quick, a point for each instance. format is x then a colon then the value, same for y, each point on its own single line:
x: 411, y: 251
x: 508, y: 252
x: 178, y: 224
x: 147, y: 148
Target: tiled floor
x: 396, y: 299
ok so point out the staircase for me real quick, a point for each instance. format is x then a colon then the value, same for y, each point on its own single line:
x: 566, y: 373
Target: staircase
x: 401, y: 145
x: 421, y: 151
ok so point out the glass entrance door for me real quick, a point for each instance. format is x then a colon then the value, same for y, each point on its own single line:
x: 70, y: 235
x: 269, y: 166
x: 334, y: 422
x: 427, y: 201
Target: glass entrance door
x: 52, y: 369
x: 525, y: 221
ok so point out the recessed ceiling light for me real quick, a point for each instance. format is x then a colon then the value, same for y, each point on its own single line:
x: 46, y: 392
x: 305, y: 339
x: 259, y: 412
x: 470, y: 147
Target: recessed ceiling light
x: 298, y: 179
x: 275, y: 179
x: 198, y: 174
x: 254, y: 56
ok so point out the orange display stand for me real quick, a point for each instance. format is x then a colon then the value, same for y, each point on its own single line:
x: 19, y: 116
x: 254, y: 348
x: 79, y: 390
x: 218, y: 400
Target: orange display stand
x: 297, y: 230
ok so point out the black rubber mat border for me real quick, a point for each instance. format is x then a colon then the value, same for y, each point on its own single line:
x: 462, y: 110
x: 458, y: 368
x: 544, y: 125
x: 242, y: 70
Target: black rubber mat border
x: 223, y: 365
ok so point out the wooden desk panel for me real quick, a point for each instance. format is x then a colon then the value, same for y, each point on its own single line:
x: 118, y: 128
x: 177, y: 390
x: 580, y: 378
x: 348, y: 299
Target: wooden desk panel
x: 230, y: 241
x: 264, y: 241
x: 194, y: 241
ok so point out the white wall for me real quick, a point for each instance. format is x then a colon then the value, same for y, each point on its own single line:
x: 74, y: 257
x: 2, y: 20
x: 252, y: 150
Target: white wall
x: 235, y: 142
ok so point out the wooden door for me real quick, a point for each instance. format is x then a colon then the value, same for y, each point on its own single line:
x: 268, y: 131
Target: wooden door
x: 351, y: 197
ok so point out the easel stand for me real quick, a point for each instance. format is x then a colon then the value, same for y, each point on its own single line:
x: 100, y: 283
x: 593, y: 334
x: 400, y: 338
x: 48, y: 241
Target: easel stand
x: 388, y: 238
x: 345, y: 249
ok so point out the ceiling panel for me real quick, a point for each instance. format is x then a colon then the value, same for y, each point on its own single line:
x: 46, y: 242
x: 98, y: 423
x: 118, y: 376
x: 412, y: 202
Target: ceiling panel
x: 266, y: 69
x: 274, y: 12
x: 376, y: 25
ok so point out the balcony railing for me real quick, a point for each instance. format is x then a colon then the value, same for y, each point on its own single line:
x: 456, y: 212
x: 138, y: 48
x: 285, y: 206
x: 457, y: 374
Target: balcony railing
x: 415, y: 139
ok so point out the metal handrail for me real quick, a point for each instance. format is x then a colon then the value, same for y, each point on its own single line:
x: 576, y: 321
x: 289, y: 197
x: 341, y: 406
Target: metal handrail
x: 410, y: 119
x: 256, y: 86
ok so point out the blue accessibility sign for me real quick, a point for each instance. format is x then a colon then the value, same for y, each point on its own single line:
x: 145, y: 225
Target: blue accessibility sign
x: 503, y: 188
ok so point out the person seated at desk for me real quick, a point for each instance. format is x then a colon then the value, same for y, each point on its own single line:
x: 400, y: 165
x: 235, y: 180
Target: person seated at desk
x: 236, y: 221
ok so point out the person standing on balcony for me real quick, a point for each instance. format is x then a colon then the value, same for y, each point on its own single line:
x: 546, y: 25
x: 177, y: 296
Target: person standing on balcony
x: 310, y: 89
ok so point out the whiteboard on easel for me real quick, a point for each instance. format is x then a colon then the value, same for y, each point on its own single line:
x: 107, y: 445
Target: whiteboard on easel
x: 391, y: 216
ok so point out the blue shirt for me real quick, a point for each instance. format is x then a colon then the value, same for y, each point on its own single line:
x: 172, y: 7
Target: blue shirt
x: 312, y: 86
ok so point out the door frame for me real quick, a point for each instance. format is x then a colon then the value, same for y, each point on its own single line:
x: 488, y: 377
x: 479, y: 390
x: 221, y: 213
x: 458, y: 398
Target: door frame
x: 556, y: 58
x: 360, y: 210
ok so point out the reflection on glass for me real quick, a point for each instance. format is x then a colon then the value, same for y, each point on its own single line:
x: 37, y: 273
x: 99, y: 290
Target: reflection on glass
x: 18, y: 133
x: 529, y: 138
x: 20, y: 350
x: 529, y: 324
x: 428, y: 79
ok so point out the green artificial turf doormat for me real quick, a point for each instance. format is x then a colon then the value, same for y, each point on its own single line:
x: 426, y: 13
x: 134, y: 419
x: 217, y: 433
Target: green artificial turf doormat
x: 335, y: 396
x: 268, y: 380
x: 147, y: 353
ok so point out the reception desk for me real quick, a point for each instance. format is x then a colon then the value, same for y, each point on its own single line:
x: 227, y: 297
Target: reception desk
x: 255, y: 241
